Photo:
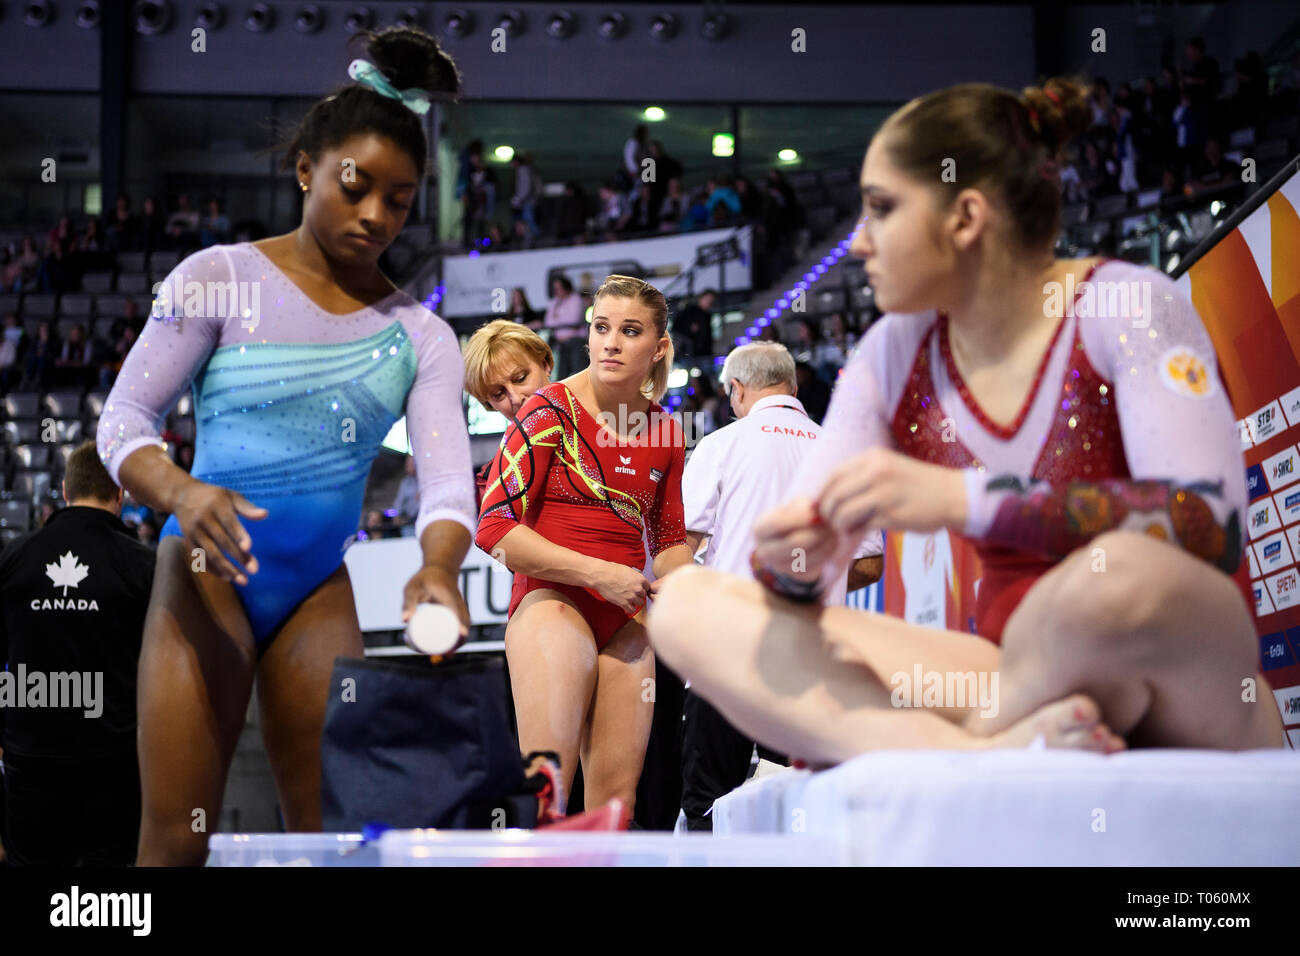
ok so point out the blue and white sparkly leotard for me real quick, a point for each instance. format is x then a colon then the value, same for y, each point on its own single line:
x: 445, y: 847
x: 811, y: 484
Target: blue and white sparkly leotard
x: 291, y: 405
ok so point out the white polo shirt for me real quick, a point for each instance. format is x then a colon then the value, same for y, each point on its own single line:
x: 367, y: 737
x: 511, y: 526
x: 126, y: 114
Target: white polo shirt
x: 745, y: 469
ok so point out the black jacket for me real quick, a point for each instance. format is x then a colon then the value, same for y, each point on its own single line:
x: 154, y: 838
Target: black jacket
x: 73, y: 597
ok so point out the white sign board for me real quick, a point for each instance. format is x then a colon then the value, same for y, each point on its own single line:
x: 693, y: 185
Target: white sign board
x: 380, y: 569
x: 471, y: 281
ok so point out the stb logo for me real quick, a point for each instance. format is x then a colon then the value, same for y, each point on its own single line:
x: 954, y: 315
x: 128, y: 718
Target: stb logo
x: 1264, y: 417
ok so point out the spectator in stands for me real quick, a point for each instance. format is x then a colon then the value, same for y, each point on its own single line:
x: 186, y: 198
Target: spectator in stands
x: 808, y: 336
x: 73, y: 363
x: 567, y: 320
x: 72, y: 784
x: 790, y: 213
x: 1099, y: 100
x: 643, y: 216
x: 751, y: 202
x: 12, y: 345
x: 666, y: 169
x: 1249, y: 101
x: 672, y: 207
x: 153, y: 231
x: 571, y: 214
x: 615, y: 210
x: 478, y: 201
x: 636, y: 149
x: 92, y: 240
x: 47, y: 511
x: 1189, y: 131
x: 54, y: 273
x: 523, y: 204
x: 91, y: 253
x: 123, y: 226
x: 41, y: 356
x: 520, y: 311
x: 723, y: 203
x: 1201, y: 78
x: 697, y: 212
x: 1213, y: 170
x: 20, y: 274
x: 214, y: 228
x: 1094, y: 173
x: 812, y: 391
x: 1171, y: 185
x: 183, y: 224
x: 185, y: 456
x: 122, y: 337
x: 1072, y: 190
x: 830, y: 354
x: 1123, y: 149
x: 693, y: 326
x: 1167, y: 92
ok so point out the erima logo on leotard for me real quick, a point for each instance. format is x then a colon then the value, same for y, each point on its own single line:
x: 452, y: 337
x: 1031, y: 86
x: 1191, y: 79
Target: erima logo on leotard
x: 622, y: 469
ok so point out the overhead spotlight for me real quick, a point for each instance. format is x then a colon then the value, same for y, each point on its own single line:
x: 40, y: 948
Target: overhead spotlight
x: 715, y: 26
x: 210, y: 16
x: 459, y: 23
x: 512, y: 22
x: 309, y: 19
x: 361, y: 18
x: 612, y: 26
x: 663, y: 27
x: 562, y: 25
x: 410, y: 18
x: 151, y: 16
x: 260, y: 18
x: 88, y: 14
x: 38, y: 13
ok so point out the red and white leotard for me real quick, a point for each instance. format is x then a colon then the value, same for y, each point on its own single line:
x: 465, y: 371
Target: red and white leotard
x: 1127, y: 426
x: 562, y: 473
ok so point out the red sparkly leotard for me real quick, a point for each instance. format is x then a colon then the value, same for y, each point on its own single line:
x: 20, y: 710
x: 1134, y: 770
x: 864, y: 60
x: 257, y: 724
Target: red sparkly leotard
x: 562, y: 473
x: 1127, y: 426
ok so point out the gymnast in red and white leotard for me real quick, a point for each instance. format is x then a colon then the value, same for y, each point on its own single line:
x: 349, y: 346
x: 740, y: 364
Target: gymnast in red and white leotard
x: 556, y: 474
x: 586, y: 481
x: 1066, y: 416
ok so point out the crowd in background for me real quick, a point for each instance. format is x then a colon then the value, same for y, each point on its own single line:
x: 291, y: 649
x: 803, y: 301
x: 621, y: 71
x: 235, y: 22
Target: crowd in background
x: 1173, y: 130
x: 71, y: 250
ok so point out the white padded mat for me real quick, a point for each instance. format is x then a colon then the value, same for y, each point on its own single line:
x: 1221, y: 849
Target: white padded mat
x: 1038, y: 808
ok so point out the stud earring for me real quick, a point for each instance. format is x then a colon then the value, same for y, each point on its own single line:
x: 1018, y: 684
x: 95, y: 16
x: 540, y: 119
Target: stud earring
x: 302, y: 186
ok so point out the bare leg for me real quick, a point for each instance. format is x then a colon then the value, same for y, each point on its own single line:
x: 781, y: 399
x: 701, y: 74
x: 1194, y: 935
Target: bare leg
x: 1160, y: 639
x: 614, y: 744
x: 293, y: 687
x: 551, y: 654
x: 816, y: 683
x: 195, y: 677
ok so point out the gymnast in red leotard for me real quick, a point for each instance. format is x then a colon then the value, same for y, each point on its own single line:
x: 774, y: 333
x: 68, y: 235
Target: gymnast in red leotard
x: 586, y: 481
x: 1065, y: 416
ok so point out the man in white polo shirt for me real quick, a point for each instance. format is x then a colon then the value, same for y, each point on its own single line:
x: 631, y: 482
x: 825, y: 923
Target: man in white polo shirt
x: 733, y: 476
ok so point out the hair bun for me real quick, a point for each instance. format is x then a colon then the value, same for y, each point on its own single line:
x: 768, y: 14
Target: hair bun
x: 412, y: 59
x: 1059, y: 108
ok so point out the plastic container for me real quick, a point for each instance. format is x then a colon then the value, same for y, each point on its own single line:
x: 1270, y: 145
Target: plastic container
x: 290, y: 849
x: 532, y: 848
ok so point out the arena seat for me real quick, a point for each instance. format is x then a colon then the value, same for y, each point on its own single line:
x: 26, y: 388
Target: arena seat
x: 1037, y: 807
